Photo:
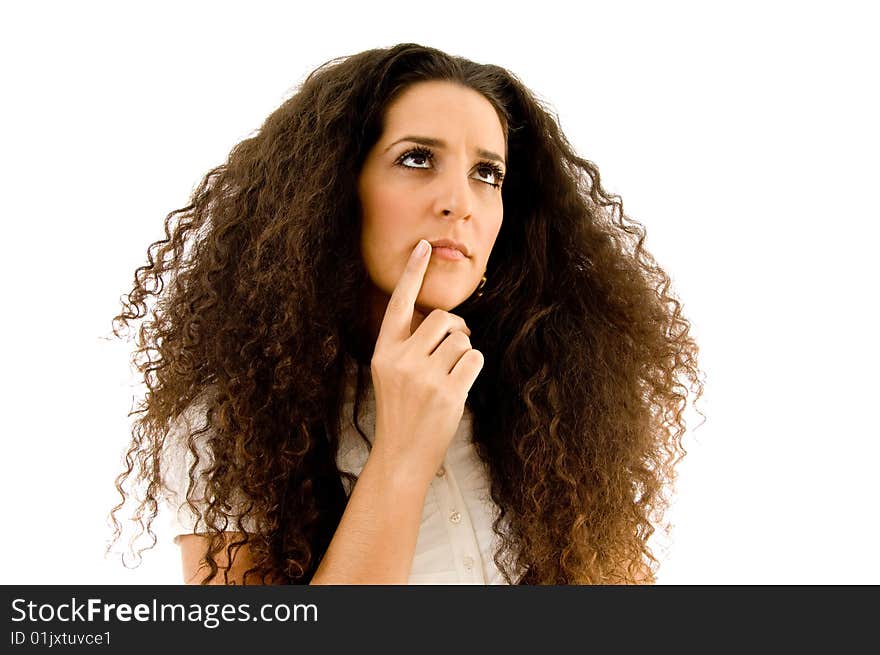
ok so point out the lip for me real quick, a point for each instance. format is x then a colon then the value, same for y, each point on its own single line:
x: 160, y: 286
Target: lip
x: 451, y: 243
x: 452, y: 254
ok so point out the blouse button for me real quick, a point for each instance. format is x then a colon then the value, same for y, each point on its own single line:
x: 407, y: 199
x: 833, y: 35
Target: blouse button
x: 441, y: 472
x: 455, y: 517
x: 468, y: 563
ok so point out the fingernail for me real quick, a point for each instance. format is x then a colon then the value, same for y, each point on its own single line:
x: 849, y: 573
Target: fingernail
x: 423, y: 248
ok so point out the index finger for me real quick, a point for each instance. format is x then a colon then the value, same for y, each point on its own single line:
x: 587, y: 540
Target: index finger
x: 398, y: 315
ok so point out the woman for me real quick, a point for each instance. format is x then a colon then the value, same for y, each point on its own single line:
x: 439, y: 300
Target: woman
x: 513, y: 416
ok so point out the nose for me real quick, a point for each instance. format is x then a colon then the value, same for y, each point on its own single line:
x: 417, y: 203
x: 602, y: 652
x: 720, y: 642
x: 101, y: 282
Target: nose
x: 454, y: 195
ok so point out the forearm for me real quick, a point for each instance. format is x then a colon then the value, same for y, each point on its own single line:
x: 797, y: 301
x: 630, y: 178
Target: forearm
x: 376, y: 537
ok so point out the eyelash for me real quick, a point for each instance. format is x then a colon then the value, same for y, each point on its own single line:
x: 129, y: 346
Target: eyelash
x: 429, y: 154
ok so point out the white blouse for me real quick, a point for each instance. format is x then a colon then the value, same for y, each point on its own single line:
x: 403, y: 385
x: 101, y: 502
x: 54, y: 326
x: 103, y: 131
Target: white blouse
x: 456, y: 542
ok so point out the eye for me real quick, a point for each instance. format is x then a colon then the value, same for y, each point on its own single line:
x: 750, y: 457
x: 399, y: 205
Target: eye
x: 493, y: 169
x: 415, y: 153
x: 422, y: 153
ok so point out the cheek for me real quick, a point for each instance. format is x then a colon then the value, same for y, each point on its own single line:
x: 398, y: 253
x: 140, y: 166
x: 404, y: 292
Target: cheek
x: 388, y: 211
x: 497, y: 226
x: 387, y: 229
x: 489, y: 236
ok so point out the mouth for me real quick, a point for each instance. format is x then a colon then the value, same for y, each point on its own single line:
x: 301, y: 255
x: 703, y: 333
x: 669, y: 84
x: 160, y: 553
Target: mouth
x: 451, y: 244
x: 447, y: 253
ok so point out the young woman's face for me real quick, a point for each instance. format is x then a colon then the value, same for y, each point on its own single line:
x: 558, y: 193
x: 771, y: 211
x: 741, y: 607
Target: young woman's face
x: 406, y: 196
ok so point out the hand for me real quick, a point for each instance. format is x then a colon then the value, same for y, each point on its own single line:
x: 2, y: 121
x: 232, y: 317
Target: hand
x: 421, y: 378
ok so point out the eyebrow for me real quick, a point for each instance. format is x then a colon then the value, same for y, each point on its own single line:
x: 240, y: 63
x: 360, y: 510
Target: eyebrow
x: 440, y: 143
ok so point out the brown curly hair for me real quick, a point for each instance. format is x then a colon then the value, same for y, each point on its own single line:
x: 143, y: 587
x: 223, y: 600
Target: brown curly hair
x: 259, y: 294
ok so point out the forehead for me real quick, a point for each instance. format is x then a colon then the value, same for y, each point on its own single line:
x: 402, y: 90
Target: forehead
x: 435, y: 107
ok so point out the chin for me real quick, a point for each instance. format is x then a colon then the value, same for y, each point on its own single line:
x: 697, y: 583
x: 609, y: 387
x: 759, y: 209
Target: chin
x: 445, y: 301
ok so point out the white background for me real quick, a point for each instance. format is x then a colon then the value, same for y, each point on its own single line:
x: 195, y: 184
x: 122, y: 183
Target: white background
x: 743, y: 138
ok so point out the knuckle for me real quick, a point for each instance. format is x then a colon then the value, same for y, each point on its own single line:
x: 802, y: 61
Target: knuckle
x: 377, y: 365
x: 434, y: 387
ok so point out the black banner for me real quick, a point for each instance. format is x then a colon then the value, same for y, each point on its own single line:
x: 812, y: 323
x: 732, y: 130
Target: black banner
x: 425, y: 618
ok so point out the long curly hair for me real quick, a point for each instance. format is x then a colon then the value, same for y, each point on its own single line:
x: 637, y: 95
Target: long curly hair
x: 258, y: 293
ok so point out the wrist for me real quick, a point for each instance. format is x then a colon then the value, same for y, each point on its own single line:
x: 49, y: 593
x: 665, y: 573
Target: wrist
x: 404, y: 474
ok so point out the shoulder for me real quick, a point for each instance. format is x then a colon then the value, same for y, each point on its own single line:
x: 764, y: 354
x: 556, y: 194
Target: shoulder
x: 194, y: 415
x: 176, y: 456
x: 186, y: 457
x: 193, y: 550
